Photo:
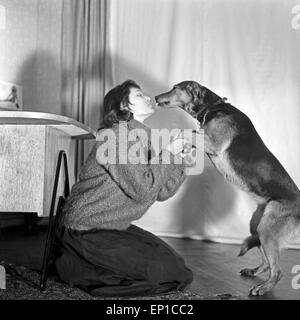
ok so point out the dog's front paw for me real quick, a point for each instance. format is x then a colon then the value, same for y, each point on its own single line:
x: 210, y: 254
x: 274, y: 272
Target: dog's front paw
x: 259, y: 290
x: 248, y: 272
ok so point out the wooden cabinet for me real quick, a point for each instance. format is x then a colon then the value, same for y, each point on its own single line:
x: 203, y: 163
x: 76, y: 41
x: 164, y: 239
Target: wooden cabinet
x: 29, y: 146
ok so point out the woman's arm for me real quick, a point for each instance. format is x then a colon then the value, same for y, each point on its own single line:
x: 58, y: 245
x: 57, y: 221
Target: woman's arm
x: 171, y: 186
x: 140, y: 181
x: 158, y: 177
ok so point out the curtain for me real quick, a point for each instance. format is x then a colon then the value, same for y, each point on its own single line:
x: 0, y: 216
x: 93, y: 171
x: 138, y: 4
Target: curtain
x: 84, y: 64
x: 247, y: 51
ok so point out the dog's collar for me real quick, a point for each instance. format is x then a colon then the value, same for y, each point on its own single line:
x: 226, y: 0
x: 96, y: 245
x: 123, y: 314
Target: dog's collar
x: 201, y: 116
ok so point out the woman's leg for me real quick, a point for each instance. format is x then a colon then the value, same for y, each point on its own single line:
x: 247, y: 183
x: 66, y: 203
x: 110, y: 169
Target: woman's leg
x: 112, y: 262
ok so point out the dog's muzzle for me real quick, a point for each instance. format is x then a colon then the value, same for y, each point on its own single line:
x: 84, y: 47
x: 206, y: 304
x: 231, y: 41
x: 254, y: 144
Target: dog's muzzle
x: 162, y: 100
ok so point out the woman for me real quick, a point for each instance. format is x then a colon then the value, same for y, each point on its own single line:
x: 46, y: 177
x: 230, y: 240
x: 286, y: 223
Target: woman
x: 100, y: 250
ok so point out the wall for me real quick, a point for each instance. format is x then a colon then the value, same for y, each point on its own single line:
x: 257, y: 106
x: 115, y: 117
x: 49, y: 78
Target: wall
x: 30, y: 48
x: 30, y: 51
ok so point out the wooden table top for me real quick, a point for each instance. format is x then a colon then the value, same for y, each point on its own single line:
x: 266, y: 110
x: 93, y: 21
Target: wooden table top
x: 68, y: 125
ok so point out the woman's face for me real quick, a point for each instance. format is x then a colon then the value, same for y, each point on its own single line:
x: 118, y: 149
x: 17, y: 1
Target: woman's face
x: 140, y: 105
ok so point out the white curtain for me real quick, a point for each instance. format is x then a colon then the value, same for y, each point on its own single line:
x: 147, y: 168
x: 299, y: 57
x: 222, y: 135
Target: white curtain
x: 83, y: 61
x: 247, y: 51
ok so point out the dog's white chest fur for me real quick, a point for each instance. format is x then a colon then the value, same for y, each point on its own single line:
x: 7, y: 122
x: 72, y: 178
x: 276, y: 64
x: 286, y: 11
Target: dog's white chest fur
x: 223, y: 165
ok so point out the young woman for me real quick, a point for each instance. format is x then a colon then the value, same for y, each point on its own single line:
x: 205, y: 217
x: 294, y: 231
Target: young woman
x: 101, y: 251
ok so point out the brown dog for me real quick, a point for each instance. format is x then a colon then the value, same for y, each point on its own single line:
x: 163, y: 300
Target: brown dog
x: 239, y: 154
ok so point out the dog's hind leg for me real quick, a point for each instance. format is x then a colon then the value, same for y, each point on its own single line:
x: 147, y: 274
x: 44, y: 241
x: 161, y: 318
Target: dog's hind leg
x: 275, y: 229
x: 271, y: 248
x: 263, y: 267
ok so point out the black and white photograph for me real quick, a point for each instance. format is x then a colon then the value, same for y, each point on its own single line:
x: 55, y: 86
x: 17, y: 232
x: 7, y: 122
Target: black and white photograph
x: 149, y: 153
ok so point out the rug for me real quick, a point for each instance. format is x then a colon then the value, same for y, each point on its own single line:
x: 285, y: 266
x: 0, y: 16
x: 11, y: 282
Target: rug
x: 22, y: 283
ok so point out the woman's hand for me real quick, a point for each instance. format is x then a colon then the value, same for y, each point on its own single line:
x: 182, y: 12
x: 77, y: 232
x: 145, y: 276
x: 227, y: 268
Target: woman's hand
x: 177, y: 145
x: 189, y: 157
x: 187, y: 148
x: 180, y: 145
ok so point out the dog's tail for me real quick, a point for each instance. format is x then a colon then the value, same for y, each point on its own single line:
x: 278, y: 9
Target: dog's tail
x: 249, y: 243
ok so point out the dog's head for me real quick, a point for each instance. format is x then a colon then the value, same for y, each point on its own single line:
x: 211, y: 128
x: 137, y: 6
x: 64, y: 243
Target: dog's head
x: 188, y: 95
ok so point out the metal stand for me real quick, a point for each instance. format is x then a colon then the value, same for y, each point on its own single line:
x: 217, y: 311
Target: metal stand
x: 54, y: 221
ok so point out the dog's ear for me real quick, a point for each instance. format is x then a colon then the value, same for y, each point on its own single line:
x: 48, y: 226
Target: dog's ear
x: 212, y: 98
x: 197, y: 92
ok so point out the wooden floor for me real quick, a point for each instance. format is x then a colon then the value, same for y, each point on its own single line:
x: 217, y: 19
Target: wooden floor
x: 216, y: 269
x: 215, y: 266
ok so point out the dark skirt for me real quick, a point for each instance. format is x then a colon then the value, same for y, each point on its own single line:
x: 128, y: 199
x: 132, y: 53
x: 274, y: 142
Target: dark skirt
x: 132, y: 262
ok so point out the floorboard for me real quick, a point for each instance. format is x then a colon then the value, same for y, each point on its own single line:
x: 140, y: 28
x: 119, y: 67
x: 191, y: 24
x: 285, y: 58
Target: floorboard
x: 216, y: 269
x: 215, y: 266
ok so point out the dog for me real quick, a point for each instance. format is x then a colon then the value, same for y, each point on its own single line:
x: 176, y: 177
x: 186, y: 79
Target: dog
x: 239, y: 154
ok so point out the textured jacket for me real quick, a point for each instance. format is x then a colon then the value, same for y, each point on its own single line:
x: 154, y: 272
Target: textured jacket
x: 112, y: 195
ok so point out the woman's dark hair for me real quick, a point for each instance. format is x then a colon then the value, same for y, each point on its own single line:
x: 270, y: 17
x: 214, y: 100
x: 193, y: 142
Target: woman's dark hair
x: 113, y: 100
